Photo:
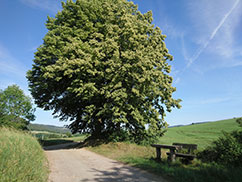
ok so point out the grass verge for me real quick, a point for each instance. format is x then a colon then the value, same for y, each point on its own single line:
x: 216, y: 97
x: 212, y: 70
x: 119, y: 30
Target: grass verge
x: 21, y: 158
x: 143, y: 157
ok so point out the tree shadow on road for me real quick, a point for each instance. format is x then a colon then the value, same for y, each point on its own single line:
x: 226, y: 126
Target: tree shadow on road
x: 122, y: 174
x: 59, y: 144
x: 89, y: 142
x: 67, y: 144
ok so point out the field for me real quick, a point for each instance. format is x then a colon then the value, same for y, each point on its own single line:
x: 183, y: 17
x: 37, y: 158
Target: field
x: 48, y: 128
x: 201, y: 134
x: 21, y: 158
x: 46, y: 138
x: 43, y: 135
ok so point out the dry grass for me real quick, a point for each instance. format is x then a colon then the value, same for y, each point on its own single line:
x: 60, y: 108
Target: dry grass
x: 122, y: 150
x: 21, y: 158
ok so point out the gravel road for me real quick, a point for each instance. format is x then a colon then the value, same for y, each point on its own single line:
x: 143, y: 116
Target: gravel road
x: 81, y: 165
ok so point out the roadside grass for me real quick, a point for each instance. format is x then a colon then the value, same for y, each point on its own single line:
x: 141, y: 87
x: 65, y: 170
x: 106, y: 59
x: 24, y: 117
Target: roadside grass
x: 201, y: 134
x: 21, y: 158
x: 144, y: 157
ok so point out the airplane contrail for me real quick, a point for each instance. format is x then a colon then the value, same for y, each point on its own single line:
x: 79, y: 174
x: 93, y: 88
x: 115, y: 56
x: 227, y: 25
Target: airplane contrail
x: 201, y: 49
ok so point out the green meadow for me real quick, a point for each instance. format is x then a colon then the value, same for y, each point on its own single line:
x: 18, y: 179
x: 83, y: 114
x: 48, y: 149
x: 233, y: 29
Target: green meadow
x: 21, y: 158
x: 201, y: 134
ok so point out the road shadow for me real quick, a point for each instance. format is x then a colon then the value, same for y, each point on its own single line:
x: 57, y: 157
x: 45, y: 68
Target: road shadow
x: 122, y: 174
x: 59, y: 144
x: 67, y: 145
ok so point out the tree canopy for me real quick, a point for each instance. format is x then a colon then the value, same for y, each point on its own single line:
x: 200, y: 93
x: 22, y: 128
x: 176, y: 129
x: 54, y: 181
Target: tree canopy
x: 104, y: 66
x: 16, y: 108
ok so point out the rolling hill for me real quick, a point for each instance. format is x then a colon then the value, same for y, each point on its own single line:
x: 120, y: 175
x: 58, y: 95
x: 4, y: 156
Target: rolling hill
x: 48, y: 128
x: 202, y: 134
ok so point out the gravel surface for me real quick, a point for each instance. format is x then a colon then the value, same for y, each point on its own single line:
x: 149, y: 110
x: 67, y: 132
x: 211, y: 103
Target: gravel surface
x: 81, y: 165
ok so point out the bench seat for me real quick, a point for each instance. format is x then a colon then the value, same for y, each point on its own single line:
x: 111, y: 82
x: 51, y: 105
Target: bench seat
x: 176, y: 150
x: 188, y: 156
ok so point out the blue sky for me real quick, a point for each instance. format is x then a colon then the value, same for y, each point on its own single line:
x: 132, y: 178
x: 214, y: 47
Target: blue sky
x: 203, y: 36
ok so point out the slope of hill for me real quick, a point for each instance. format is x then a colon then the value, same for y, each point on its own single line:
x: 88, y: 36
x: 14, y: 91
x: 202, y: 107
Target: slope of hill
x: 202, y: 134
x: 21, y: 157
x: 49, y: 128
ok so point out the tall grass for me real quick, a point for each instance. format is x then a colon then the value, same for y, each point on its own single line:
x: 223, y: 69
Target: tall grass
x: 21, y: 158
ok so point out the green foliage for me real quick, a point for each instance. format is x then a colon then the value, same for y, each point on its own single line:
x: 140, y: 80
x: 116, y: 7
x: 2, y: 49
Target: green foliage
x: 68, y: 134
x: 118, y: 136
x: 13, y: 122
x: 16, y: 109
x: 103, y: 65
x: 227, y: 150
x: 239, y: 121
x: 21, y: 158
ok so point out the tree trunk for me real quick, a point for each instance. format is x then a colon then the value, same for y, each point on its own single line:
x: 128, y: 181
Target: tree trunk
x: 98, y: 129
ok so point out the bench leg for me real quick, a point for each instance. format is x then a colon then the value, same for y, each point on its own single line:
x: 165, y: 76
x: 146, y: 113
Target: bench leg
x: 172, y: 156
x: 158, y: 153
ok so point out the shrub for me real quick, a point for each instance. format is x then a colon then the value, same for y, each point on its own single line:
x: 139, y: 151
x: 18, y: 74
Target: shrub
x: 239, y: 121
x: 12, y: 121
x: 227, y: 150
x: 118, y: 136
x: 68, y: 134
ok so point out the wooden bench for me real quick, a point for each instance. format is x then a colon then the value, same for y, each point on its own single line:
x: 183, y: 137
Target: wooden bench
x: 171, y: 154
x: 188, y: 155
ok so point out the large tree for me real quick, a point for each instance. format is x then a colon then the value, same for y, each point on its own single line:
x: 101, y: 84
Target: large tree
x: 16, y: 108
x: 103, y: 65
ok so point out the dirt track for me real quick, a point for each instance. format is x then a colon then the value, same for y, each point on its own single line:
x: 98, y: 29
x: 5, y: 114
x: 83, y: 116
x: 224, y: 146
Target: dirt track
x: 81, y: 165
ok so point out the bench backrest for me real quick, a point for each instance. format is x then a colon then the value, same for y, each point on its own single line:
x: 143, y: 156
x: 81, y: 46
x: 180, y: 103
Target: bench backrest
x: 190, y: 147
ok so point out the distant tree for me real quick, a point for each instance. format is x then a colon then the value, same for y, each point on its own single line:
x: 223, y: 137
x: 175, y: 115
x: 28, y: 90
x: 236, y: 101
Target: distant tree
x: 16, y: 108
x: 13, y: 121
x: 103, y: 65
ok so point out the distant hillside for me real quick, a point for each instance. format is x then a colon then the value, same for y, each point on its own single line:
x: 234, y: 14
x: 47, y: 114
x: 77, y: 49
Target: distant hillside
x: 202, y: 134
x: 189, y: 124
x: 49, y: 128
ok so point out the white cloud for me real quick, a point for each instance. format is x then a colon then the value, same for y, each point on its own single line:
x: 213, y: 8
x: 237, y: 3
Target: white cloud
x: 208, y: 17
x: 184, y: 50
x: 10, y: 65
x: 178, y: 79
x: 214, y: 100
x: 12, y: 71
x: 52, y: 6
x: 225, y: 45
x: 172, y: 31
